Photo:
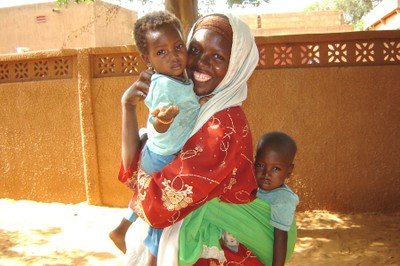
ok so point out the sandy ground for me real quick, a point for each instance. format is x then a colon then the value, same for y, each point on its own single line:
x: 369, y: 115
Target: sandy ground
x: 34, y: 233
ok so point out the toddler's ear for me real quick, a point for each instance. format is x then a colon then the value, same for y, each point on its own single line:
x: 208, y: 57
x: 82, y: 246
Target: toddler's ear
x: 290, y: 169
x: 146, y: 60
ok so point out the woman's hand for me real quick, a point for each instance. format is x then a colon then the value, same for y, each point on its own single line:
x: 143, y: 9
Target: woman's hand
x: 138, y: 90
x: 130, y: 130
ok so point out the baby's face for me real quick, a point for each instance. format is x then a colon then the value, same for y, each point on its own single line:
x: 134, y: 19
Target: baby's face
x: 166, y: 51
x: 271, y: 169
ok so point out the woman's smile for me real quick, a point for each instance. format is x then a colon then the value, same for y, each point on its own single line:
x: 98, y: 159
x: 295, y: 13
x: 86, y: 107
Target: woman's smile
x: 201, y: 77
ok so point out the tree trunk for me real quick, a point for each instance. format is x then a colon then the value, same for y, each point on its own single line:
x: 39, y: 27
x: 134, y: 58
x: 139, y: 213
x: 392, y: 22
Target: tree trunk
x: 185, y: 10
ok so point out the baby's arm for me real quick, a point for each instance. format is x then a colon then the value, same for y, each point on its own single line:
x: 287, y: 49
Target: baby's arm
x: 280, y: 246
x: 164, y: 117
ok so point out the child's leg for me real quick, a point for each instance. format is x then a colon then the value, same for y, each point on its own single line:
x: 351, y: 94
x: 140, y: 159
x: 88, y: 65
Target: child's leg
x: 152, y: 242
x: 118, y: 234
x: 151, y: 260
x: 153, y: 162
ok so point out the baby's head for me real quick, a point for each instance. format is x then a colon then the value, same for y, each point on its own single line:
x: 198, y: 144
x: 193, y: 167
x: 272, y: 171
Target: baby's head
x: 274, y: 159
x: 159, y: 39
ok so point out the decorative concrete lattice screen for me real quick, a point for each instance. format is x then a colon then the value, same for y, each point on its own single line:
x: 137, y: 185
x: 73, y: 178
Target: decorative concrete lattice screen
x: 35, y: 70
x: 117, y: 65
x: 280, y: 55
x: 349, y: 53
x: 330, y: 50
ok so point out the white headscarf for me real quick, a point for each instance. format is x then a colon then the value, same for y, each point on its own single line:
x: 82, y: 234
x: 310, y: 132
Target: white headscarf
x: 232, y: 90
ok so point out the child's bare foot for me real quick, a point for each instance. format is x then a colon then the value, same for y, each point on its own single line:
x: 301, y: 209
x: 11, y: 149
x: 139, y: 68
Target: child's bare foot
x: 119, y: 239
x: 118, y: 234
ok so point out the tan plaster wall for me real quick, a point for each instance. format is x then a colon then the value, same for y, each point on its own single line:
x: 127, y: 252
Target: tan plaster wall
x: 113, y: 25
x: 297, y: 23
x: 345, y: 121
x: 107, y: 116
x: 76, y: 26
x: 40, y: 144
x: 61, y: 29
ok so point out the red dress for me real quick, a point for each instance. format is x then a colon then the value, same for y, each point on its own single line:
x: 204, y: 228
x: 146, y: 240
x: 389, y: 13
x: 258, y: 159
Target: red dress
x: 217, y: 161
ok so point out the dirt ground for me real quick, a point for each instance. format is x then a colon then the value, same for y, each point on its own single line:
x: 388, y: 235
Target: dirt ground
x: 33, y: 233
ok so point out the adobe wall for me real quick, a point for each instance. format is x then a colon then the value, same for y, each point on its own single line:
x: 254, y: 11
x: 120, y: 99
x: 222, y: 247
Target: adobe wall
x: 344, y: 122
x: 336, y: 94
x: 41, y: 150
x: 297, y: 23
x: 44, y: 26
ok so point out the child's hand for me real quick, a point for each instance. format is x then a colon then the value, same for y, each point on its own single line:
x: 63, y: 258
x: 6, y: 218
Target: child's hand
x: 166, y: 114
x: 205, y: 99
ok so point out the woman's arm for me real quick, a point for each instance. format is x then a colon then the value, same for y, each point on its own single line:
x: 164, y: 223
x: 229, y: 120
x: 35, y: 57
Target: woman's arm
x: 130, y: 136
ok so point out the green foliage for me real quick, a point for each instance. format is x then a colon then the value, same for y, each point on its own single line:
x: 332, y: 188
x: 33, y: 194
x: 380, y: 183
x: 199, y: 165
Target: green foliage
x: 244, y: 2
x: 229, y: 2
x: 66, y: 2
x: 353, y: 10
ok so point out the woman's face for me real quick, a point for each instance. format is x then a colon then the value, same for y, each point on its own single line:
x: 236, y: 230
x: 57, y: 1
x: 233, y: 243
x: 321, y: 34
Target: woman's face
x: 208, y: 60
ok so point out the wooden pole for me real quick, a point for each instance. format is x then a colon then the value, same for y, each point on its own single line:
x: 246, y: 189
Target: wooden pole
x: 185, y: 10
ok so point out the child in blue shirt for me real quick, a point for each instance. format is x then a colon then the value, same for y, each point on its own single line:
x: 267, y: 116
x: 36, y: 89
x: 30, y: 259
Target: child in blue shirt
x: 273, y: 165
x: 159, y: 39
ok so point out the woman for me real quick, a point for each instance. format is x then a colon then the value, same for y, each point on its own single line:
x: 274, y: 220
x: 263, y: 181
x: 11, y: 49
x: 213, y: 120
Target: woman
x: 216, y: 162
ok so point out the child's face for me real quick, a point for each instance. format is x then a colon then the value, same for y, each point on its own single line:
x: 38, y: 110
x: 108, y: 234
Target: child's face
x: 272, y: 168
x: 166, y: 51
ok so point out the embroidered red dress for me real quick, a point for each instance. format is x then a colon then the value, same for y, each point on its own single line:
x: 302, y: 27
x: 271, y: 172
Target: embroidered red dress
x: 217, y: 161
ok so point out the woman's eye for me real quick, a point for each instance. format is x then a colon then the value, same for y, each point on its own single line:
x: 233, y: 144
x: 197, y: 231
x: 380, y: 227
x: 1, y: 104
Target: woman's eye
x: 161, y: 52
x: 179, y: 46
x: 219, y: 57
x: 193, y: 50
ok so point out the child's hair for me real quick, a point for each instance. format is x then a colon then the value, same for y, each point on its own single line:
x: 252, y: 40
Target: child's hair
x: 277, y: 141
x: 153, y: 21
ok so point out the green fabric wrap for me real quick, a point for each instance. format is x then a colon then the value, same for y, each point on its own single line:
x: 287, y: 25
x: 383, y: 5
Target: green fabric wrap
x: 249, y: 223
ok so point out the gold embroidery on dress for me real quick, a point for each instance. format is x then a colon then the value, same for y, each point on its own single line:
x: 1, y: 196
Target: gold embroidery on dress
x: 230, y: 130
x: 176, y: 199
x: 245, y: 130
x: 175, y: 217
x: 191, y: 153
x: 173, y: 199
x: 232, y: 182
x: 143, y: 181
x: 131, y: 181
x: 213, y: 263
x: 249, y: 255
